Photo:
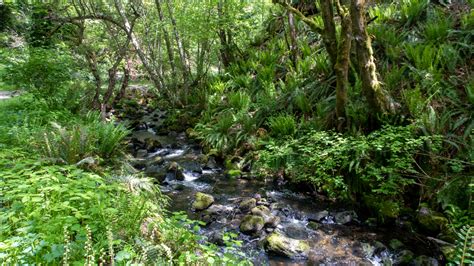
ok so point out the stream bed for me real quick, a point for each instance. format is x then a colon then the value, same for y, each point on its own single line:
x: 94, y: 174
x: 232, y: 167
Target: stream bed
x: 311, y: 231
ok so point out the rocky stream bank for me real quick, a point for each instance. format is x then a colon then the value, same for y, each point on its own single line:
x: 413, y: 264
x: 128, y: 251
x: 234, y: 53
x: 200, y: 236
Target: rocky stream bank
x: 277, y: 226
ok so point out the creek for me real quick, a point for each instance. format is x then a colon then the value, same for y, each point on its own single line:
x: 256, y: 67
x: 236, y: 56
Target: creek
x: 332, y: 234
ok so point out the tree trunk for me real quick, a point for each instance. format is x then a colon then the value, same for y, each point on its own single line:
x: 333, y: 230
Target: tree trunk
x: 293, y: 43
x: 379, y: 100
x: 342, y: 65
x: 92, y: 63
x: 166, y: 36
x: 125, y: 81
x: 129, y: 31
x: 181, y: 52
x: 225, y: 37
x: 329, y: 31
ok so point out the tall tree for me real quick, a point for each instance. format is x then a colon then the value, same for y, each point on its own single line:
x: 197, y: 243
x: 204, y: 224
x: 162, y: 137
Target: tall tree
x: 378, y: 99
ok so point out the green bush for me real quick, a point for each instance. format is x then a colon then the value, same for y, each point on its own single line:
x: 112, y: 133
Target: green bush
x: 40, y: 202
x: 282, y: 125
x: 381, y: 163
x: 50, y: 75
x: 94, y: 138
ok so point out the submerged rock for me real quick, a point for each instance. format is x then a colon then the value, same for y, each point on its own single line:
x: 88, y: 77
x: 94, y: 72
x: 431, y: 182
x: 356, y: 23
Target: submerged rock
x: 285, y: 246
x: 202, y: 201
x: 251, y: 224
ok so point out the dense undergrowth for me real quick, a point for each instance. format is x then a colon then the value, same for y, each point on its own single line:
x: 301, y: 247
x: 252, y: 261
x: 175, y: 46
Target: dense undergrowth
x: 65, y: 198
x: 270, y: 104
x: 267, y: 107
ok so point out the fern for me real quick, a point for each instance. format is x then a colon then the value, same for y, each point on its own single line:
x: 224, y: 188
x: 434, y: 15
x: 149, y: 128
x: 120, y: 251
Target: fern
x: 464, y: 254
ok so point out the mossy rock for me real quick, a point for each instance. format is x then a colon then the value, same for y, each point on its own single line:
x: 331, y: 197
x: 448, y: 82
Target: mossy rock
x: 396, y: 244
x: 234, y: 173
x: 431, y: 221
x: 251, y: 224
x: 404, y: 257
x: 264, y: 212
x: 202, y: 201
x: 313, y: 225
x: 247, y: 204
x: 424, y: 260
x: 285, y: 246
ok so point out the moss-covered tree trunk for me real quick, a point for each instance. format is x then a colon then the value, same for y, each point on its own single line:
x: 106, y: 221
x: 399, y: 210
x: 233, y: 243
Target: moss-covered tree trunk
x: 342, y: 64
x: 379, y: 100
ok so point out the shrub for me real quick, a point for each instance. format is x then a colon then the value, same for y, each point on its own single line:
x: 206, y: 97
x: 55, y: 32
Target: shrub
x: 381, y: 163
x: 48, y: 75
x: 40, y: 202
x: 74, y: 143
x: 282, y: 125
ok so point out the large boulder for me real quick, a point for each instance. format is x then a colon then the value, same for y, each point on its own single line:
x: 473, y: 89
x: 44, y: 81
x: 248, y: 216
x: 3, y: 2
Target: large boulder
x: 285, y: 246
x: 202, y: 201
x: 264, y: 212
x: 431, y: 221
x: 251, y: 224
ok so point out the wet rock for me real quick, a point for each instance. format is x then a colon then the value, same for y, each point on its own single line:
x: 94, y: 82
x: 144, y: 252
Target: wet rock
x: 156, y: 171
x: 345, y: 217
x: 367, y: 249
x: 424, y: 260
x: 247, y: 204
x: 264, y: 212
x: 313, y: 225
x: 430, y: 220
x: 138, y: 163
x: 192, y: 166
x: 155, y: 160
x: 211, y: 163
x: 179, y: 187
x: 251, y: 224
x: 202, y: 201
x: 285, y: 246
x: 396, y: 244
x: 152, y: 145
x: 216, y: 237
x: 318, y: 217
x: 404, y: 257
x: 379, y: 247
x: 296, y: 231
x: 176, y: 171
x: 263, y: 202
x: 217, y: 210
x: 142, y: 153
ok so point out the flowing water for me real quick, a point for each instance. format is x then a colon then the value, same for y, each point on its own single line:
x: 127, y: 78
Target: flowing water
x: 334, y: 233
